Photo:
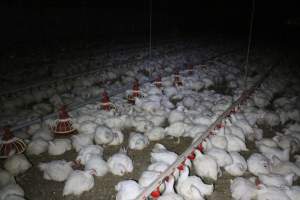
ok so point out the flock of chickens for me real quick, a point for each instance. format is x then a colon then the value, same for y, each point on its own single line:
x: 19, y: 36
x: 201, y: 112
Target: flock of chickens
x: 176, y: 111
x: 32, y: 103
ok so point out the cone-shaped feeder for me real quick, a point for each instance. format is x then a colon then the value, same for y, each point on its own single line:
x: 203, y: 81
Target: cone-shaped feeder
x: 177, y: 79
x: 105, y: 102
x: 135, y: 92
x: 190, y: 69
x: 63, y: 125
x: 10, y: 145
x: 158, y: 82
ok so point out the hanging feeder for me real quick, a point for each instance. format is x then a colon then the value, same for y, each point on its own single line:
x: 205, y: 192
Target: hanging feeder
x: 135, y: 92
x: 158, y: 82
x: 10, y: 145
x: 105, y: 102
x: 190, y: 69
x: 63, y: 125
x: 177, y: 79
x: 203, y: 66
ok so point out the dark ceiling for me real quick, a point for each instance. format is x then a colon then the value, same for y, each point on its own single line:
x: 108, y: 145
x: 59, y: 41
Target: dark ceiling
x: 37, y: 20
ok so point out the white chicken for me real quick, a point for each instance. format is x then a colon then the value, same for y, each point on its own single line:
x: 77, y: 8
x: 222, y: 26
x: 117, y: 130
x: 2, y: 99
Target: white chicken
x: 81, y: 140
x: 148, y: 105
x: 158, y: 118
x: 176, y: 129
x: 57, y: 170
x: 192, y: 187
x: 234, y: 143
x: 258, y: 164
x: 271, y: 118
x: 59, y: 146
x: 141, y: 124
x: 261, y: 99
x: 238, y: 166
x: 118, y: 137
x: 87, y: 152
x: 148, y: 177
x: 176, y: 116
x: 11, y: 190
x: 267, y: 142
x: 297, y: 160
x: 161, y: 154
x: 36, y: 147
x: 237, y: 131
x: 219, y: 140
x: 33, y: 128
x: 43, y: 133
x: 170, y: 91
x: 17, y: 164
x: 103, y: 135
x: 158, y: 167
x: 165, y: 102
x: 169, y: 193
x: 195, y: 130
x: 205, y: 166
x: 293, y: 192
x: 6, y: 178
x: 117, y: 122
x: 276, y: 180
x: 269, y: 152
x: 127, y: 190
x: 79, y: 182
x: 189, y: 102
x: 97, y: 164
x: 84, y: 118
x: 283, y: 167
x: 87, y: 127
x: 120, y: 163
x: 221, y: 156
x: 274, y: 193
x: 137, y: 141
x: 287, y: 142
x: 155, y: 133
x: 242, y: 188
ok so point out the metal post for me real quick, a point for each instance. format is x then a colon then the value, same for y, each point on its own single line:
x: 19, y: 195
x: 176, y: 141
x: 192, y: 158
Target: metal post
x: 150, y: 29
x: 249, y: 43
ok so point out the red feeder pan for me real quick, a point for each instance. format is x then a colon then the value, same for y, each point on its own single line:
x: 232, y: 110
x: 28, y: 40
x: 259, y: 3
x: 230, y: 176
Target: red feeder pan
x: 105, y: 102
x: 177, y: 80
x: 219, y: 126
x: 156, y: 193
x: 10, y: 144
x: 63, y: 125
x: 181, y: 166
x: 192, y: 156
x: 158, y: 82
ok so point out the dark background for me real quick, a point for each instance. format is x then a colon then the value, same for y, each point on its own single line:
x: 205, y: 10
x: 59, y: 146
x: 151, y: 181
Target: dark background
x: 29, y: 23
